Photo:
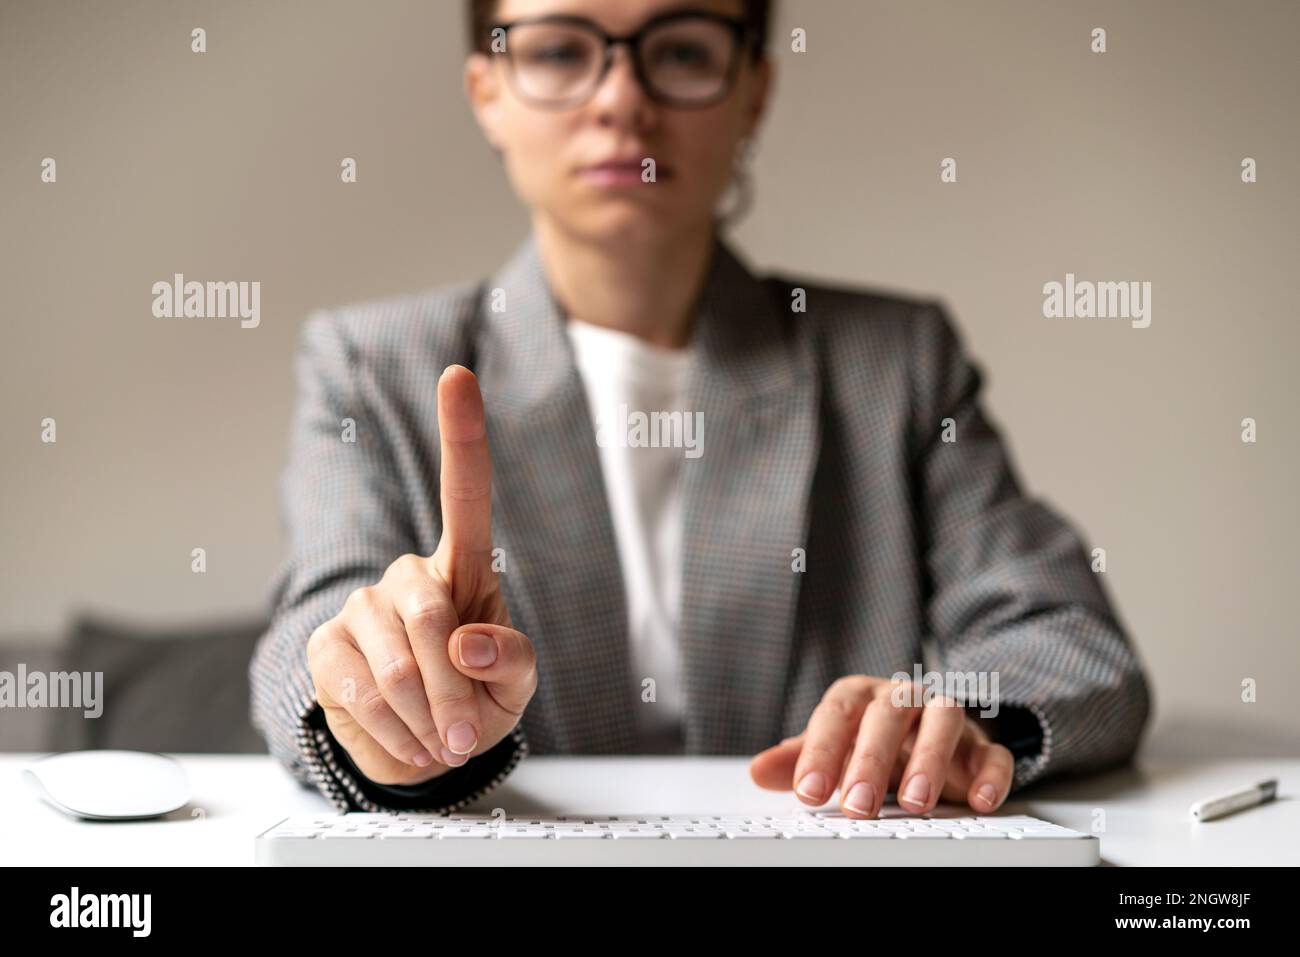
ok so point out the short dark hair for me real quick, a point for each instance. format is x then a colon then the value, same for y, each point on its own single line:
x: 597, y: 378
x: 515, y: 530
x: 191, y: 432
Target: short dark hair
x: 482, y: 14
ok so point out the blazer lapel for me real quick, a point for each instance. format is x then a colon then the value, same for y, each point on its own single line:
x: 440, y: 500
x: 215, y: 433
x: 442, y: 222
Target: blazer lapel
x: 746, y: 510
x: 562, y: 581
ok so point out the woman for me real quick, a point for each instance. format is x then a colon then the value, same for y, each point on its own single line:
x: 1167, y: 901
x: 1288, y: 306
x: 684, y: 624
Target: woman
x: 682, y: 508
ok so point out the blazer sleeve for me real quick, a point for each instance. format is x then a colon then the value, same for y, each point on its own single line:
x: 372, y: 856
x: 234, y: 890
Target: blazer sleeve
x: 1010, y: 586
x: 346, y: 520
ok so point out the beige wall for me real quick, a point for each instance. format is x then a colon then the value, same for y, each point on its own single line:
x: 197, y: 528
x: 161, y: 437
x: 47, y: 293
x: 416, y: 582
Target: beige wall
x: 1120, y: 166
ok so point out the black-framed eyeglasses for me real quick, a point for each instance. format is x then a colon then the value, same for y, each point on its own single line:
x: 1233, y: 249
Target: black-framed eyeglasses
x: 686, y: 59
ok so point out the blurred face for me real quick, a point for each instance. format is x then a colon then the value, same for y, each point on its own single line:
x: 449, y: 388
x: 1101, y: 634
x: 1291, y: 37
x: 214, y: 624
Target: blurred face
x: 578, y: 160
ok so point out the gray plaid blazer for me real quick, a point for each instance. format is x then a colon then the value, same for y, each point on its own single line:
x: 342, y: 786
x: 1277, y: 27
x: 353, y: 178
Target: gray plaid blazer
x: 822, y: 431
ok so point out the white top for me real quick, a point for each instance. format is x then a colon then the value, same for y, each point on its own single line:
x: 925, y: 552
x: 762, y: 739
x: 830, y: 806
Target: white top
x: 625, y: 375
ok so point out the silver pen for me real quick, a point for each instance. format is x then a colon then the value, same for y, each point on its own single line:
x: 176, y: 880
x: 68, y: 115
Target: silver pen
x: 1209, y: 809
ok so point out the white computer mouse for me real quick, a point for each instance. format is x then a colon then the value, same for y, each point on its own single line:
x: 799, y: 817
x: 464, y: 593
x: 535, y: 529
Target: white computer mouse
x: 110, y: 785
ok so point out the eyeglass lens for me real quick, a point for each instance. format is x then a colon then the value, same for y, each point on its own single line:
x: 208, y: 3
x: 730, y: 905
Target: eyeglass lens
x: 686, y: 60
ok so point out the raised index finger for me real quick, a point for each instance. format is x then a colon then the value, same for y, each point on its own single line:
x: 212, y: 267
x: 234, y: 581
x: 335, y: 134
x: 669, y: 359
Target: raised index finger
x: 466, y: 474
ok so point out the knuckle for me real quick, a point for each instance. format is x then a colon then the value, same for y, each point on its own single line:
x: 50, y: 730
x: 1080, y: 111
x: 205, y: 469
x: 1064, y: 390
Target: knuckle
x: 317, y: 640
x: 821, y: 752
x: 872, y: 764
x: 928, y: 755
x: 323, y: 649
x: 408, y: 563
x: 884, y: 705
x: 372, y: 705
x: 362, y: 601
x: 451, y: 697
x: 835, y: 707
x: 903, y: 690
x: 429, y: 607
x: 470, y: 492
x: 944, y: 710
x: 398, y: 673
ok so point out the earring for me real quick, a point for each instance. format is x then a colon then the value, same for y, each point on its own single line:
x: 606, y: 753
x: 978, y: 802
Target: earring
x: 741, y: 184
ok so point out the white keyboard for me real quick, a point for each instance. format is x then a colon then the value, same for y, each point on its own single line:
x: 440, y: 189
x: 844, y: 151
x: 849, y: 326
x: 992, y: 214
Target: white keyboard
x: 801, y: 837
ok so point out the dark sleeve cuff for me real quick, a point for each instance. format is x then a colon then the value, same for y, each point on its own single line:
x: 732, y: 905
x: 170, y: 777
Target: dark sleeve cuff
x: 445, y: 793
x: 1016, y: 729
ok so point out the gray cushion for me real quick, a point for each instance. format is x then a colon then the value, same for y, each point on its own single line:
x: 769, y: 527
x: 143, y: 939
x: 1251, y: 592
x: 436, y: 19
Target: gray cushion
x: 165, y: 689
x: 28, y: 729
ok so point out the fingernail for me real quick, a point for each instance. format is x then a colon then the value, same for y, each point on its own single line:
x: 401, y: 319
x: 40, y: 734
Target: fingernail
x: 461, y: 737
x: 477, y: 651
x: 917, y: 791
x: 423, y: 759
x: 988, y: 795
x: 453, y: 760
x: 861, y: 799
x: 812, y: 786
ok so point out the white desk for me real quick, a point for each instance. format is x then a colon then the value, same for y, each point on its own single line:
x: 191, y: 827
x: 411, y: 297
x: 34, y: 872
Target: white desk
x: 237, y: 797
